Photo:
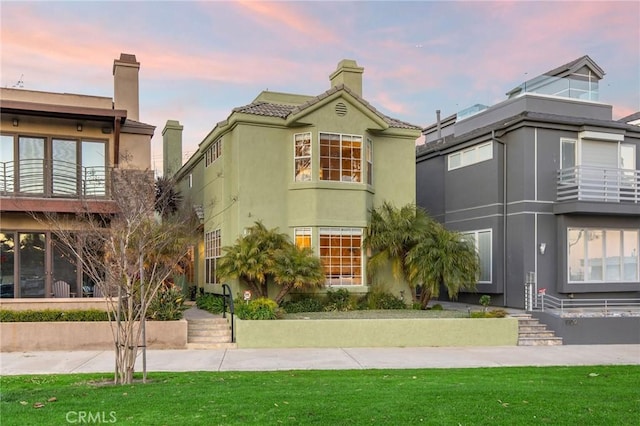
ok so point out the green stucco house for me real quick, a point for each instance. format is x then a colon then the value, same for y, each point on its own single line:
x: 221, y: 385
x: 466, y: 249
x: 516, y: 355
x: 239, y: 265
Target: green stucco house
x: 311, y: 166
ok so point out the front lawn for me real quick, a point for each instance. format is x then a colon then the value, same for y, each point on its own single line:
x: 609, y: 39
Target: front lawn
x: 591, y: 395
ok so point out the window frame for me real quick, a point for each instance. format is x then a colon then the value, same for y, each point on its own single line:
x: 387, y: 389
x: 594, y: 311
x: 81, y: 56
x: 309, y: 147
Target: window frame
x: 212, y: 153
x: 341, y: 159
x: 586, y: 260
x: 299, y: 158
x: 369, y: 161
x: 212, y: 252
x: 336, y: 252
x: 476, y: 241
x: 466, y: 160
x: 306, y: 233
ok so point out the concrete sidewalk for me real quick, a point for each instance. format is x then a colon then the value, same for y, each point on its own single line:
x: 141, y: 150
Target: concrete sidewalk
x: 62, y: 362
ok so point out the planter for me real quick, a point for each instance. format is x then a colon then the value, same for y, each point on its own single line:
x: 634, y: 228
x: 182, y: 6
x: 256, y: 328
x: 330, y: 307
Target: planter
x: 351, y: 333
x: 63, y: 336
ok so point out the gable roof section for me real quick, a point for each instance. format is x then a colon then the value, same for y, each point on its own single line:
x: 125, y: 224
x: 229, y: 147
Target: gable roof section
x: 268, y: 109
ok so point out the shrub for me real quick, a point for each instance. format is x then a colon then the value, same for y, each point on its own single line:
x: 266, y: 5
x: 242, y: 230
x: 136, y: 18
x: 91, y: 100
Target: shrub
x: 437, y: 307
x: 339, y: 300
x: 257, y: 309
x: 308, y: 304
x: 53, y: 315
x: 494, y: 313
x: 381, y: 300
x: 167, y: 305
x: 210, y: 302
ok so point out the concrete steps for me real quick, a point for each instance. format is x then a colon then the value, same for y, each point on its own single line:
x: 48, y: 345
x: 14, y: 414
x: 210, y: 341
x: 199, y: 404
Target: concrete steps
x: 532, y: 333
x: 213, y: 333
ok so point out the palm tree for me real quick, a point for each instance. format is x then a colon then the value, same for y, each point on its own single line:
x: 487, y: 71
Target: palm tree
x: 443, y: 259
x: 168, y: 199
x: 264, y: 255
x: 391, y: 235
x: 296, y: 267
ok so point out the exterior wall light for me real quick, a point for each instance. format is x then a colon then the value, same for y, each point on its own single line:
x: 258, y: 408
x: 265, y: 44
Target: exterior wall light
x: 15, y: 122
x: 79, y: 127
x: 542, y: 248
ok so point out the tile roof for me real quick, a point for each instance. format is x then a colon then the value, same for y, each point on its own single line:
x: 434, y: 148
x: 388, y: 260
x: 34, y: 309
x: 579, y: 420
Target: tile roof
x: 283, y: 111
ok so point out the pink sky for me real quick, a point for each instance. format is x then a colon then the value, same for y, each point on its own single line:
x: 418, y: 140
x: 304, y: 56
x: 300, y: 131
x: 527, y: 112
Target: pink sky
x: 199, y: 60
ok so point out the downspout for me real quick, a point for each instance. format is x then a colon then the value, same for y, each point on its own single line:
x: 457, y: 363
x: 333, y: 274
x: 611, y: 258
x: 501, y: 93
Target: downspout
x: 504, y: 214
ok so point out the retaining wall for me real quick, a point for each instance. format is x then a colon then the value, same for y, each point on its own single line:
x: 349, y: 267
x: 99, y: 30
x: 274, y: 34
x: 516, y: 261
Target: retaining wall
x: 352, y: 333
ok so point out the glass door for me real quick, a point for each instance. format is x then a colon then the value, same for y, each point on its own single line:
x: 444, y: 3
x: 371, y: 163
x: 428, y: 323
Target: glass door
x: 32, y: 264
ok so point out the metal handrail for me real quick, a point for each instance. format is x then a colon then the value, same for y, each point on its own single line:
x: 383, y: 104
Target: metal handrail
x: 52, y: 178
x: 226, y: 296
x: 551, y: 302
x: 598, y: 184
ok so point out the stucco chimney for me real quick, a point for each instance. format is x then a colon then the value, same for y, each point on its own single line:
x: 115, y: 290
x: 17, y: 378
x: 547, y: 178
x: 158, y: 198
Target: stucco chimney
x: 349, y: 74
x: 125, y: 85
x: 171, y: 147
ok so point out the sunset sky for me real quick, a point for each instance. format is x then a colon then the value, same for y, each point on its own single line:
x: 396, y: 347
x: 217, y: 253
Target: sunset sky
x: 199, y: 60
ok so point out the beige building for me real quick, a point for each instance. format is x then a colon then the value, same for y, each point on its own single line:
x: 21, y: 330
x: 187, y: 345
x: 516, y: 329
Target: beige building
x: 57, y: 151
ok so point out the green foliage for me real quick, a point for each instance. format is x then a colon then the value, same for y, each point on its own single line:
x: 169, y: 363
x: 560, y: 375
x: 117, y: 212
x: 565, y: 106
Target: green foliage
x: 265, y: 255
x: 485, y: 300
x: 53, y: 315
x: 381, y: 300
x: 437, y: 307
x: 257, y: 309
x: 339, y: 300
x: 210, y: 302
x: 494, y: 313
x: 582, y: 395
x: 307, y: 304
x: 167, y: 305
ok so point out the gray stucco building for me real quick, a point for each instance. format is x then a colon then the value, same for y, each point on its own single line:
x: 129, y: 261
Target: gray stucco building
x: 547, y: 184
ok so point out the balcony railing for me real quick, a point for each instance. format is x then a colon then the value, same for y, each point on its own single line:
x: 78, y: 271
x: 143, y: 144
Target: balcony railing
x: 43, y: 178
x: 588, y: 183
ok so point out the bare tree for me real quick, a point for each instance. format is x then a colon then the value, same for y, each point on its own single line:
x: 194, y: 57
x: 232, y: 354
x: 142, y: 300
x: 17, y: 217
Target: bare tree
x: 129, y: 254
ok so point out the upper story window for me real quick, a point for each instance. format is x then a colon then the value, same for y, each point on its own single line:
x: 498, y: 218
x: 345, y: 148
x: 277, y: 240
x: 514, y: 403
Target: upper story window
x: 340, y: 157
x: 213, y: 153
x: 53, y: 166
x: 302, y: 157
x: 369, y: 158
x: 473, y: 155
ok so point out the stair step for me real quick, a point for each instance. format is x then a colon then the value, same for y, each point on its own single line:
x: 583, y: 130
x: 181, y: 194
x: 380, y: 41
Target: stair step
x: 542, y: 341
x: 209, y: 339
x: 547, y: 333
x: 226, y: 345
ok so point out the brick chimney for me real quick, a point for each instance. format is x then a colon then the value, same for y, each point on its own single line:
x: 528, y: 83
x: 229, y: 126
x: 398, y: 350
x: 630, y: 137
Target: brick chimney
x: 349, y: 74
x: 125, y: 85
x: 171, y: 147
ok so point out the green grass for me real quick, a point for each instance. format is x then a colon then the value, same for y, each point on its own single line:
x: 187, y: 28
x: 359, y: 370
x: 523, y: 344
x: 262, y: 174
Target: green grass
x: 594, y: 395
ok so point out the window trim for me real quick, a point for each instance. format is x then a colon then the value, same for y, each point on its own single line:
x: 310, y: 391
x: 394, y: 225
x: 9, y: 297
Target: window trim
x: 212, y: 252
x: 343, y: 231
x: 341, y: 135
x: 309, y: 157
x: 475, y: 234
x: 585, y: 257
x: 475, y: 150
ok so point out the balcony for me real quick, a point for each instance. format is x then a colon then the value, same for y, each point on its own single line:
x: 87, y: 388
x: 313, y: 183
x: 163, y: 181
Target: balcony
x: 23, y: 185
x: 619, y: 188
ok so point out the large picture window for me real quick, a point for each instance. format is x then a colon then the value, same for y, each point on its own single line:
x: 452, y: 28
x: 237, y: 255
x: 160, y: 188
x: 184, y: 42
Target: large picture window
x: 602, y: 255
x: 340, y: 157
x: 302, y: 157
x: 212, y: 252
x: 482, y: 240
x: 341, y: 255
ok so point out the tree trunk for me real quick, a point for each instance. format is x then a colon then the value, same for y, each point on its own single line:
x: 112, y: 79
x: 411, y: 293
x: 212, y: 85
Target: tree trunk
x: 425, y: 297
x: 283, y: 292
